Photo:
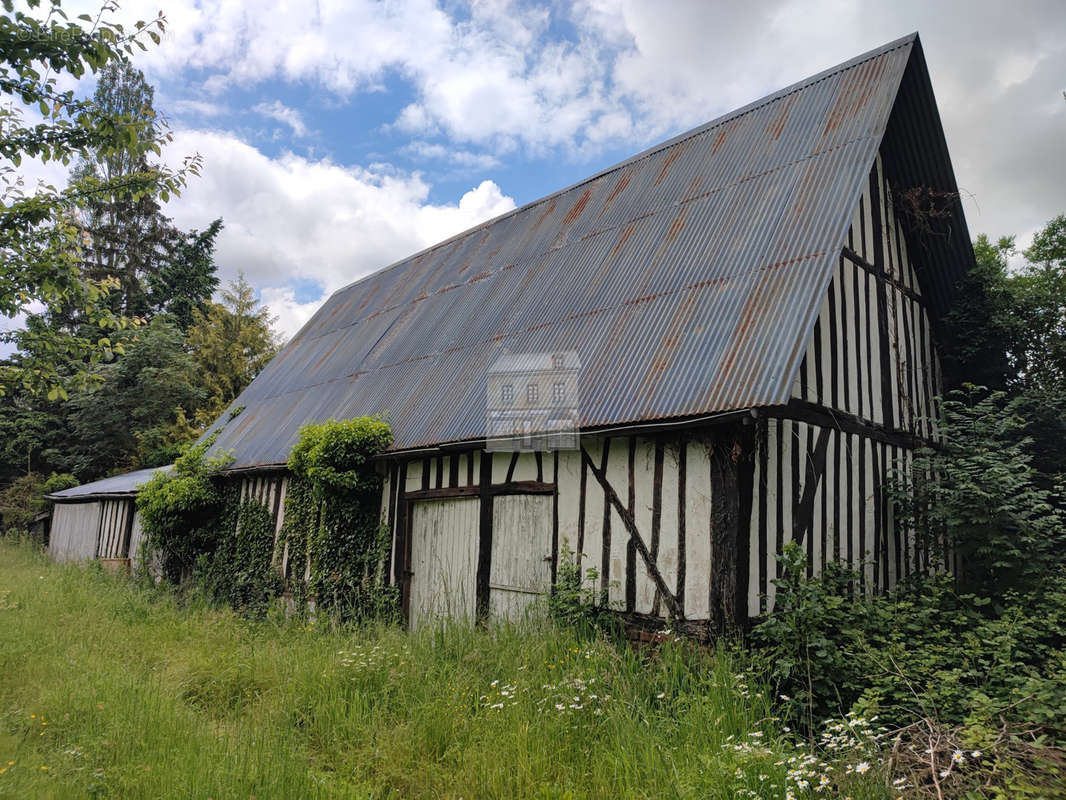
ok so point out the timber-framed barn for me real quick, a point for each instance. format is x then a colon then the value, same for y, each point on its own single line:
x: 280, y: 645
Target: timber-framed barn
x: 755, y: 308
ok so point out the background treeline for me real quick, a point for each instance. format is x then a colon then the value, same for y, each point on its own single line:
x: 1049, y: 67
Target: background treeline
x: 190, y: 346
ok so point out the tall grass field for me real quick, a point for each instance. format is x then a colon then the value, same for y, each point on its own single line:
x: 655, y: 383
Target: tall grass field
x: 110, y: 689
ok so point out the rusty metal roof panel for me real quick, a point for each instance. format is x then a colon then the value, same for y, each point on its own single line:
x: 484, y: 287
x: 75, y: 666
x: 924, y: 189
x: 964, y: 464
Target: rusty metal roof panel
x: 116, y: 486
x: 687, y: 279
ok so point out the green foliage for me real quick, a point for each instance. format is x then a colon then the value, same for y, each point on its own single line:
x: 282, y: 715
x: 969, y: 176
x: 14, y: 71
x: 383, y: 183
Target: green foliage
x: 124, y: 236
x: 24, y: 498
x: 982, y: 329
x: 808, y: 638
x: 984, y: 650
x: 58, y: 481
x: 131, y: 419
x: 979, y: 493
x: 331, y: 517
x: 1040, y: 291
x: 925, y: 652
x: 576, y: 601
x: 182, y: 511
x: 1007, y: 329
x: 183, y: 284
x: 240, y: 571
x: 20, y: 501
x: 336, y: 455
x: 41, y: 240
x: 230, y: 342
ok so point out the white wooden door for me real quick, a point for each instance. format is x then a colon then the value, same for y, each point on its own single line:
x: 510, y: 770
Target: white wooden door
x: 444, y: 547
x: 521, y: 553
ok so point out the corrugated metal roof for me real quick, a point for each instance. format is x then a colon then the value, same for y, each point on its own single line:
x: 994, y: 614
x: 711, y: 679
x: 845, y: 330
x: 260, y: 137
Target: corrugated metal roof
x: 687, y: 280
x: 117, y: 485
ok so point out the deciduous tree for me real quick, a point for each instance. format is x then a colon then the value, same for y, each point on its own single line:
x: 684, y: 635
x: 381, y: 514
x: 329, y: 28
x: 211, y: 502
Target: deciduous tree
x: 41, y: 241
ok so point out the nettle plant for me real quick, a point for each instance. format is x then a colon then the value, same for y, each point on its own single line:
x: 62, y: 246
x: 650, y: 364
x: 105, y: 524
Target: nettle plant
x: 332, y: 522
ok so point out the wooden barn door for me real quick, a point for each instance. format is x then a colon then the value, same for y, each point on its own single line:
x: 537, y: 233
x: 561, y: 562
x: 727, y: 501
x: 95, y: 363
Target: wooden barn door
x: 444, y: 548
x: 521, y: 553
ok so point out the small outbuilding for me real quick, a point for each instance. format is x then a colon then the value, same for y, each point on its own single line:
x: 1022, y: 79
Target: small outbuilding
x: 99, y: 520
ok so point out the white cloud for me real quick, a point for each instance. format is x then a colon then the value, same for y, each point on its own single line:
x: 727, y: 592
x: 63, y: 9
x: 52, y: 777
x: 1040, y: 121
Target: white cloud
x: 498, y: 75
x: 280, y: 112
x: 290, y: 313
x: 196, y: 107
x: 435, y: 151
x: 496, y: 80
x: 290, y: 219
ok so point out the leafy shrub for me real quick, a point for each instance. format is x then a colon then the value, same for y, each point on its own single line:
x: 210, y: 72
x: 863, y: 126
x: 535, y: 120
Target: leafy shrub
x: 979, y: 493
x: 924, y: 652
x: 24, y: 498
x: 180, y: 510
x: 808, y: 637
x: 20, y: 502
x: 336, y: 455
x: 58, y: 481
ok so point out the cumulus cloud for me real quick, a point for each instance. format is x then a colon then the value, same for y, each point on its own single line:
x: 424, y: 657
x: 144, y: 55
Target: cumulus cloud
x: 279, y: 112
x: 435, y: 151
x: 293, y: 220
x: 494, y: 82
x: 513, y: 79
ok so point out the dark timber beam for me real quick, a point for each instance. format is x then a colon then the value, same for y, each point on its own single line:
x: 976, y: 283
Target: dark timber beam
x: 484, y: 550
x: 732, y: 470
x: 862, y: 263
x: 813, y: 414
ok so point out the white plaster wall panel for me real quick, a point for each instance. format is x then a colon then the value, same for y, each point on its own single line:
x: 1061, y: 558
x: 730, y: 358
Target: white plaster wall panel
x: 618, y: 477
x: 592, y: 540
x: 414, y: 476
x: 667, y: 551
x: 698, y: 530
x: 644, y: 478
x: 569, y: 486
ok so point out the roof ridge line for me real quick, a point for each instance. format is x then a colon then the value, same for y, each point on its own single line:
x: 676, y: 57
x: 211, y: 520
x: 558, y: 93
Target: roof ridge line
x: 650, y: 151
x: 599, y: 232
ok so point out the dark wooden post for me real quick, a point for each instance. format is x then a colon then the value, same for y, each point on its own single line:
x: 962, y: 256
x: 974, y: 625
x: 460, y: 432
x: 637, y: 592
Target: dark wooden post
x: 732, y: 466
x: 484, y: 550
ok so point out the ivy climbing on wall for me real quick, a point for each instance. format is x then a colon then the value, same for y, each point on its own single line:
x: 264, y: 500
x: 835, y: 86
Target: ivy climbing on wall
x: 338, y: 548
x: 241, y: 570
x: 200, y: 530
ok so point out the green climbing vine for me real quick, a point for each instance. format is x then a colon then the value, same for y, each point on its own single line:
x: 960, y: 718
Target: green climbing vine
x: 241, y: 570
x: 331, y: 518
x: 201, y: 532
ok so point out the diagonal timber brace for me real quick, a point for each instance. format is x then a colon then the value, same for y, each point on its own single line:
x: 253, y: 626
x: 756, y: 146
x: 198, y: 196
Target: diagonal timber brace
x: 634, y: 536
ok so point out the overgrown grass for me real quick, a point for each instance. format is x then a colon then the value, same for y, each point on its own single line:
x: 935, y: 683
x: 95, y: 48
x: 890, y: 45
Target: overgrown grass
x: 112, y: 690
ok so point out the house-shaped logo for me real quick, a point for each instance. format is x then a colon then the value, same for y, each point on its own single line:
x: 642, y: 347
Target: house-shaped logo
x: 533, y: 401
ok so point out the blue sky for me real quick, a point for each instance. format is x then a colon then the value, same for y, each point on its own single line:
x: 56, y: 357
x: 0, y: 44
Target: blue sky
x: 338, y: 137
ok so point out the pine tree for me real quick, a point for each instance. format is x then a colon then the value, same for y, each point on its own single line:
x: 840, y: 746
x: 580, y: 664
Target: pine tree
x: 231, y: 344
x: 127, y: 237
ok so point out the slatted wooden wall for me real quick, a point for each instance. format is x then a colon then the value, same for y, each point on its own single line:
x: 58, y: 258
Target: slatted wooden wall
x: 873, y: 352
